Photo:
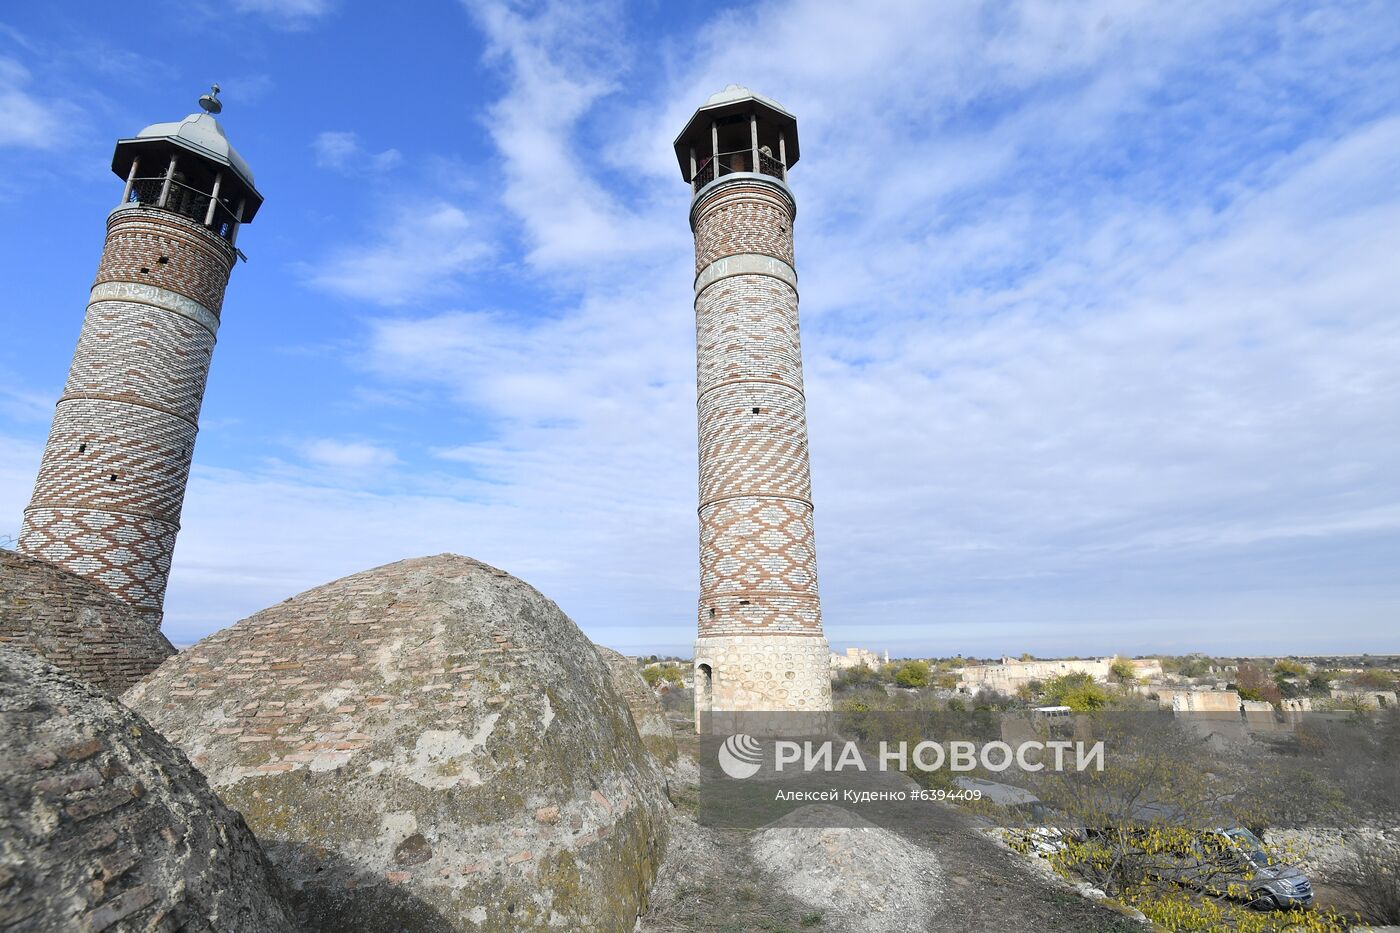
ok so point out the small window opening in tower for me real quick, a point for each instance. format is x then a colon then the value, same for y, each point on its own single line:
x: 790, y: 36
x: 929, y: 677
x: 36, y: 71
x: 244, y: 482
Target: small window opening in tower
x: 163, y: 260
x: 82, y: 448
x: 757, y: 410
x: 112, y: 478
x: 743, y: 602
x: 712, y: 613
x: 145, y: 269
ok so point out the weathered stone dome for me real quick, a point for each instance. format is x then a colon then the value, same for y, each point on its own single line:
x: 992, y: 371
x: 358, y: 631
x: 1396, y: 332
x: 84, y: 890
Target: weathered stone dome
x: 429, y: 745
x: 104, y: 825
x: 75, y: 624
x: 647, y: 714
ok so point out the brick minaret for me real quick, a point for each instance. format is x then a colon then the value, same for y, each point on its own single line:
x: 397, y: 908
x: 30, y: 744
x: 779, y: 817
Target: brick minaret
x: 107, y: 501
x: 760, y: 644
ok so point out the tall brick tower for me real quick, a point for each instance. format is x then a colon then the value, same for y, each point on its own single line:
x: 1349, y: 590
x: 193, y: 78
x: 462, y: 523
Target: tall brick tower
x: 107, y: 501
x: 760, y: 644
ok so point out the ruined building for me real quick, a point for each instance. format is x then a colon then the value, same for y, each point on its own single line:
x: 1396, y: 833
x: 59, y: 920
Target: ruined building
x: 760, y: 644
x: 106, y: 505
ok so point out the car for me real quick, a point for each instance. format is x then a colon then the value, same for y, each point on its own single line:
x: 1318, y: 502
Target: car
x: 1231, y: 862
x: 1251, y: 874
x: 1028, y: 817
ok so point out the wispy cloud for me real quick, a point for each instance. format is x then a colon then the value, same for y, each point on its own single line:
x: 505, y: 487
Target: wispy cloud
x: 26, y: 119
x: 247, y: 88
x: 24, y: 405
x: 1099, y: 324
x: 560, y: 60
x: 288, y: 14
x: 342, y: 151
x: 1045, y: 330
x: 422, y: 247
x: 348, y: 455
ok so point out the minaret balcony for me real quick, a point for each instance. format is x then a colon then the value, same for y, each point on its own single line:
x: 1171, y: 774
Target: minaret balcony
x: 187, y: 200
x: 739, y: 161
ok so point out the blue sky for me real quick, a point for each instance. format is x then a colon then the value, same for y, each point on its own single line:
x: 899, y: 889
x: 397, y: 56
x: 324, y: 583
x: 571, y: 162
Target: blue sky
x: 1101, y: 309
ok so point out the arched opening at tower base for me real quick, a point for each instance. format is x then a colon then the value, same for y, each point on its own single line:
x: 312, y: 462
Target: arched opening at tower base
x: 704, y: 696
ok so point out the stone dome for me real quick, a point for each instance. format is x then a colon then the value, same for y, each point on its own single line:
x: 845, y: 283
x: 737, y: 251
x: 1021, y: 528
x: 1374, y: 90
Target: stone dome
x: 430, y: 745
x: 650, y: 719
x: 104, y: 825
x: 75, y: 624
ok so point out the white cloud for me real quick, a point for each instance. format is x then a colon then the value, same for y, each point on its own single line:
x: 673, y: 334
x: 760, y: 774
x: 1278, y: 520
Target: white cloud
x: 247, y: 88
x: 342, y: 151
x: 559, y: 63
x: 348, y: 455
x: 422, y: 248
x: 1017, y: 368
x: 288, y: 14
x: 19, y: 464
x: 25, y: 119
x: 23, y: 405
x: 1099, y: 325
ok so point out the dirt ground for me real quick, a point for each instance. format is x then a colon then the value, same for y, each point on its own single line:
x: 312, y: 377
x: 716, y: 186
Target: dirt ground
x: 710, y: 882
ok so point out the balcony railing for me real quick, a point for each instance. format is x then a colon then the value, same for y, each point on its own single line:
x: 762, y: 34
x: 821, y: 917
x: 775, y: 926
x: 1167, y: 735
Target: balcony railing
x: 738, y: 160
x: 187, y: 201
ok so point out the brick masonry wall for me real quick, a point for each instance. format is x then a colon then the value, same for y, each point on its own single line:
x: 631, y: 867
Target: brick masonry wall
x: 75, y: 625
x: 744, y: 215
x: 196, y: 262
x: 106, y: 827
x: 758, y: 571
x: 433, y: 727
x: 107, y: 500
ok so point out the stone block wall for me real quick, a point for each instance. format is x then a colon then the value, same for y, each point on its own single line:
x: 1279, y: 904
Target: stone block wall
x: 761, y: 673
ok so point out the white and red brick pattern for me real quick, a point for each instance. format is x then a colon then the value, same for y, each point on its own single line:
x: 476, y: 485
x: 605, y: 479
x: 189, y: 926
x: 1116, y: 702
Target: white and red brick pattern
x: 107, y: 501
x: 760, y: 627
x: 758, y: 569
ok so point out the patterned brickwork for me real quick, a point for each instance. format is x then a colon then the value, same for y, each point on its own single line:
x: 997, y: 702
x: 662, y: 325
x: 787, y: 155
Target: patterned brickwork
x: 758, y: 569
x: 75, y: 625
x: 127, y: 556
x: 753, y: 441
x: 128, y: 353
x: 196, y: 262
x: 120, y: 457
x: 107, y: 501
x: 746, y: 329
x: 743, y: 215
x: 758, y: 562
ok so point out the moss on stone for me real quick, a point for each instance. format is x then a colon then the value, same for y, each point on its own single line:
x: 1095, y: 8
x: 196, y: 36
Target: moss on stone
x: 459, y: 761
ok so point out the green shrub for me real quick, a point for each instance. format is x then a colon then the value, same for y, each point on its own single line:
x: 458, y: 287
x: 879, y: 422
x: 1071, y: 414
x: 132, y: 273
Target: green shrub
x: 912, y: 674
